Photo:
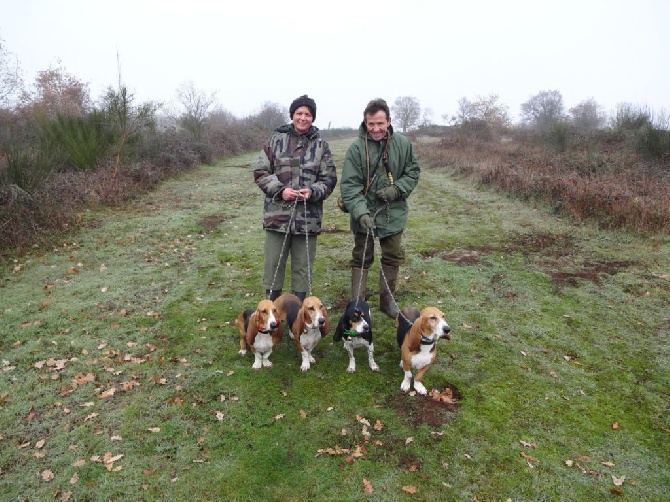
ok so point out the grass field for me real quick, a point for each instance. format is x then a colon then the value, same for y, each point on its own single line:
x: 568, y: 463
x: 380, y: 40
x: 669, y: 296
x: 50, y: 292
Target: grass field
x: 121, y: 380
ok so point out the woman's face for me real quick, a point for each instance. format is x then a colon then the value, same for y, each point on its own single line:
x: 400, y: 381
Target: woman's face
x: 302, y: 119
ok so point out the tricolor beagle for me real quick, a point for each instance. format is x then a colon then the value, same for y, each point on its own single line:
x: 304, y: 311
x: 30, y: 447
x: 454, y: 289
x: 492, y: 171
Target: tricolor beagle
x: 260, y: 329
x: 417, y: 334
x: 307, y: 323
x: 355, y: 328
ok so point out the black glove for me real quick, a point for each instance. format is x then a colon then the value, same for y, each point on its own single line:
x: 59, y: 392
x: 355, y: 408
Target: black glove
x: 367, y: 222
x: 388, y: 194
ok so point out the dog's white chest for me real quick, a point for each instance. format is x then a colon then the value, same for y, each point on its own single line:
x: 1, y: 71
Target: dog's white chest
x: 310, y: 338
x: 425, y: 356
x: 263, y: 342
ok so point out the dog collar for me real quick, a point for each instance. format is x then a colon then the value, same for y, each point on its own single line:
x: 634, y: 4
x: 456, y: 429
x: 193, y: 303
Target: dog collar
x: 264, y: 331
x: 427, y: 341
x: 351, y: 332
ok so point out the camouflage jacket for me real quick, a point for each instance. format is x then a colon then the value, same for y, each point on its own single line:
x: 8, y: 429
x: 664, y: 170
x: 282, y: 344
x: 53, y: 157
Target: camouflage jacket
x: 295, y: 160
x: 359, y: 189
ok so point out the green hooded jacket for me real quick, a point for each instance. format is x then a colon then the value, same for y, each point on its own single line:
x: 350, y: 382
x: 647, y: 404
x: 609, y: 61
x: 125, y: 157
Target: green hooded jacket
x: 404, y: 166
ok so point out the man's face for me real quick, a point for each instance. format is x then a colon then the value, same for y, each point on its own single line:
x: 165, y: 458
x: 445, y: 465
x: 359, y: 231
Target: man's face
x: 377, y: 124
x: 302, y: 119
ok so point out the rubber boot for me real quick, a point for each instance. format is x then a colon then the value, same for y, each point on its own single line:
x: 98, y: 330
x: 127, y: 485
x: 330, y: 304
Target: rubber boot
x: 386, y: 302
x: 359, y: 277
x: 300, y: 294
x: 276, y: 293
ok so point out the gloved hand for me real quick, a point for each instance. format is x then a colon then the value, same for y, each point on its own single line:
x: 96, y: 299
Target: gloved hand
x: 367, y: 222
x: 389, y: 193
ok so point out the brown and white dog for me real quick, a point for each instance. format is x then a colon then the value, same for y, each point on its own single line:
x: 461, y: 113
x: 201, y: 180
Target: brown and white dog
x: 261, y: 330
x: 355, y: 328
x: 307, y: 323
x: 417, y: 335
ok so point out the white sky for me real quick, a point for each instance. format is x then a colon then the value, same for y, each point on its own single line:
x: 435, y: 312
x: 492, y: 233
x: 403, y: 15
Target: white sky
x: 345, y: 52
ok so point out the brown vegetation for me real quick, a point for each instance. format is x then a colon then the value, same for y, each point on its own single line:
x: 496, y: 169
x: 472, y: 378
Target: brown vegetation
x: 595, y: 176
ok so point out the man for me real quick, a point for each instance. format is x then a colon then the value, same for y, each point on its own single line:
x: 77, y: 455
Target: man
x: 380, y: 171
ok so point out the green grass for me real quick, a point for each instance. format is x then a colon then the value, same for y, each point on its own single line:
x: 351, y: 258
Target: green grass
x: 559, y: 350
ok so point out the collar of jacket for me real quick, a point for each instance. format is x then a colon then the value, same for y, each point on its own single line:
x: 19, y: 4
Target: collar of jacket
x: 363, y: 131
x: 290, y: 128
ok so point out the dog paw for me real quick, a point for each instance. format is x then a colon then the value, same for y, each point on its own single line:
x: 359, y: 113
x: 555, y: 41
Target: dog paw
x: 243, y: 352
x: 256, y: 366
x: 374, y: 367
x: 312, y: 360
x: 267, y: 364
x: 304, y: 367
x: 404, y: 386
x: 351, y: 369
x: 418, y: 386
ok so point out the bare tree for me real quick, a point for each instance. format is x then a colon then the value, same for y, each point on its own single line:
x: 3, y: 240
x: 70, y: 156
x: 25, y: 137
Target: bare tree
x: 407, y: 111
x: 588, y: 115
x: 543, y: 110
x: 270, y: 116
x: 197, y: 105
x: 483, y: 109
x: 58, y: 92
x: 11, y: 82
x: 426, y: 117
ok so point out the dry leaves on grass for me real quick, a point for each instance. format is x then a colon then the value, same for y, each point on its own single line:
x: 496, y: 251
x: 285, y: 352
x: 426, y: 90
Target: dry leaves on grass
x: 367, y: 486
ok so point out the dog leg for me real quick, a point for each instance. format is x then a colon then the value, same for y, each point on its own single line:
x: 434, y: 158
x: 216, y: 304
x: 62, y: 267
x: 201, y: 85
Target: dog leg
x: 306, y: 359
x: 371, y: 359
x: 258, y: 361
x: 266, y: 359
x: 406, y: 381
x: 418, y: 386
x: 349, y: 347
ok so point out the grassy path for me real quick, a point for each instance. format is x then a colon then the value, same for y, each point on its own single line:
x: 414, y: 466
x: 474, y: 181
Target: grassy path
x: 120, y: 377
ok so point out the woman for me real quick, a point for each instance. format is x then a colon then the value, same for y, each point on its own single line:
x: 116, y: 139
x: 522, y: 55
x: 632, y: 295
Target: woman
x: 296, y: 172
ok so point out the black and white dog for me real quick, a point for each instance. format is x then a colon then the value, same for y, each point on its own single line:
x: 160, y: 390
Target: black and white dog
x: 355, y: 328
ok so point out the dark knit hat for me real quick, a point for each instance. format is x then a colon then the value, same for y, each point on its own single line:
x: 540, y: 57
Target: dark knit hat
x: 303, y: 100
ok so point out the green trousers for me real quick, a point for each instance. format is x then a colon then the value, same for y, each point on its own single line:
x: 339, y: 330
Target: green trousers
x: 393, y: 255
x: 278, y: 246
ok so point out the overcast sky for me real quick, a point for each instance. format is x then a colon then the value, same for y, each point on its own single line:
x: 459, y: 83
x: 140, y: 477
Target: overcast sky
x: 344, y: 53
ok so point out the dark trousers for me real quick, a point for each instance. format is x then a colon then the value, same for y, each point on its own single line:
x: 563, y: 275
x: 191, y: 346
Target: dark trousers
x: 393, y: 255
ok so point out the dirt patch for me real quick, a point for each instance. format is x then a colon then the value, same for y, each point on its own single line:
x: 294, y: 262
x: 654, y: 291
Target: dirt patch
x: 209, y: 223
x: 462, y: 257
x: 547, y: 244
x: 588, y: 272
x: 435, y: 409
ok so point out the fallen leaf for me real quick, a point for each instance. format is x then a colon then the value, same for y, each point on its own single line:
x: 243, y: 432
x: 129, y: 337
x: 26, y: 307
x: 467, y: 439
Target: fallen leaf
x: 409, y: 440
x: 618, y: 481
x: 303, y: 414
x: 154, y: 429
x: 65, y: 496
x: 40, y: 443
x: 279, y: 417
x: 79, y: 463
x: 409, y: 489
x: 378, y: 425
x: 615, y: 425
x: 74, y: 478
x: 367, y: 486
x: 528, y: 457
x: 219, y: 416
x: 608, y: 464
x: 47, y: 475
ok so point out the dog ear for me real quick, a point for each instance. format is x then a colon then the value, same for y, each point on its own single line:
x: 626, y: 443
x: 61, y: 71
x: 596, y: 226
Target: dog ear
x: 252, y: 329
x: 337, y: 336
x: 414, y: 336
x: 325, y: 329
x: 299, y: 323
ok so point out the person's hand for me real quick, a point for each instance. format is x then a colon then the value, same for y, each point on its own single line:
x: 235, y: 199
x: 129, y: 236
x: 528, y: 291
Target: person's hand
x: 304, y: 193
x: 289, y: 194
x: 389, y: 193
x: 367, y: 222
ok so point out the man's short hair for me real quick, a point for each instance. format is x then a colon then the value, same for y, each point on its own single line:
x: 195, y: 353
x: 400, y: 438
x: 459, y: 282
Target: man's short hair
x: 377, y: 105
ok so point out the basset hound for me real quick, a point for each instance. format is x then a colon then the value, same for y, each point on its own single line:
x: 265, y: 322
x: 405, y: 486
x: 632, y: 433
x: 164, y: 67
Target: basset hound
x: 355, y: 328
x: 417, y: 334
x: 307, y: 323
x: 260, y: 329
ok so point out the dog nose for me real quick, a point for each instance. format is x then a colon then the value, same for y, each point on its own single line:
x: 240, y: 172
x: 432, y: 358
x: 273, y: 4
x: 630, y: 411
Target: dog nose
x: 273, y: 325
x: 446, y: 330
